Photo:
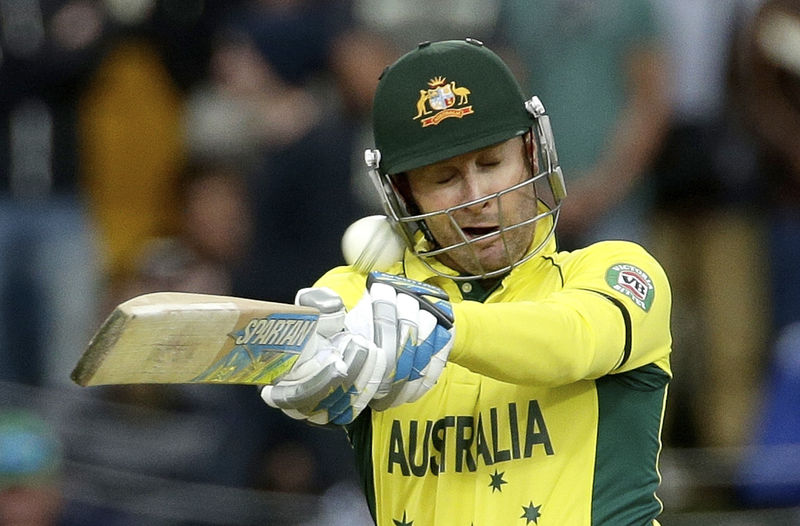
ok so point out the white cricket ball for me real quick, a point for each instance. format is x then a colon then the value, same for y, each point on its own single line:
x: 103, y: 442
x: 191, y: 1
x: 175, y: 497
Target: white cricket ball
x: 372, y: 244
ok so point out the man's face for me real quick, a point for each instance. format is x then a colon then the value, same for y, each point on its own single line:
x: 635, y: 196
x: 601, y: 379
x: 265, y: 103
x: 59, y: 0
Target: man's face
x: 470, y: 176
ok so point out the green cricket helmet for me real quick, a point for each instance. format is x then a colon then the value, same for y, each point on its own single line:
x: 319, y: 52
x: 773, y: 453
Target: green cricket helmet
x: 445, y: 99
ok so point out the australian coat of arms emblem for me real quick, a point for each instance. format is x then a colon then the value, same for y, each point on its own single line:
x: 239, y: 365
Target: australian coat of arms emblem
x: 442, y: 100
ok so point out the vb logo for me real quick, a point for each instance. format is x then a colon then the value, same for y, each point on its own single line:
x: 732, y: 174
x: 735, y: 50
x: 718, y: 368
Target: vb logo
x: 632, y: 282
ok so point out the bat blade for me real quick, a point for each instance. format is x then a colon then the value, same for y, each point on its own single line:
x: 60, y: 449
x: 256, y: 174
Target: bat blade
x: 175, y: 337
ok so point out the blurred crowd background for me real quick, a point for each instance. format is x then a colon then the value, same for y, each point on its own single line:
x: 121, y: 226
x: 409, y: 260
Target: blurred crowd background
x: 216, y: 146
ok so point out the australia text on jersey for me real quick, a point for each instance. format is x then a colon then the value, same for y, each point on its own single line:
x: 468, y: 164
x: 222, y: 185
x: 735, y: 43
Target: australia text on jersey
x: 461, y: 442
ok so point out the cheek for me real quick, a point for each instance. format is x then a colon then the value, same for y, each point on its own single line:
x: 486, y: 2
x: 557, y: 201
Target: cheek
x: 520, y: 203
x: 429, y: 200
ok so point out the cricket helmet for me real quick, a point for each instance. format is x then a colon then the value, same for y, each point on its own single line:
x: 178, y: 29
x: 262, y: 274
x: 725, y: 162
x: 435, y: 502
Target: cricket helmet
x: 445, y: 99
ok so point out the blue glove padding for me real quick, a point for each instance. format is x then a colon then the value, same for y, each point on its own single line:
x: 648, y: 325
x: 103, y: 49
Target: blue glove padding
x: 412, y: 323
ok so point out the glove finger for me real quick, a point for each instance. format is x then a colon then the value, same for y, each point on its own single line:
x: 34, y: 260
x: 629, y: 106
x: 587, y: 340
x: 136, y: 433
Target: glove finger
x: 359, y: 319
x: 429, y: 360
x: 413, y: 387
x: 308, y: 393
x: 266, y: 395
x: 403, y: 369
x: 330, y: 306
x: 297, y: 415
x: 408, y: 333
x: 426, y: 322
x: 355, y: 357
x: 370, y: 377
x: 407, y: 336
x: 428, y: 341
x: 407, y: 307
x: 408, y: 312
x: 358, y: 386
x: 405, y: 360
x: 339, y: 405
x: 388, y: 400
x: 384, y: 315
x: 430, y: 375
x: 410, y: 391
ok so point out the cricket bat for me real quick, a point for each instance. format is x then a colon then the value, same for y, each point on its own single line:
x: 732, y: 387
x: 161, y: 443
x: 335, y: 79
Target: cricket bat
x: 175, y: 337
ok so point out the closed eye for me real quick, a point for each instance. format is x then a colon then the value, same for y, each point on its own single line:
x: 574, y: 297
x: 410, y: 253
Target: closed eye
x: 444, y: 179
x: 489, y: 163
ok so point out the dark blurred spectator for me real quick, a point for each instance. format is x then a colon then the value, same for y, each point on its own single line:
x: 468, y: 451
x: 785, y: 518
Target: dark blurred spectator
x: 406, y: 23
x: 599, y: 68
x: 708, y: 233
x: 131, y: 147
x: 767, y: 89
x: 212, y: 235
x: 49, y: 277
x: 284, y: 72
x: 30, y: 470
x: 131, y: 120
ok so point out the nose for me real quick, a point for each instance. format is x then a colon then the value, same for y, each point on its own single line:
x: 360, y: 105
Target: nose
x: 475, y: 186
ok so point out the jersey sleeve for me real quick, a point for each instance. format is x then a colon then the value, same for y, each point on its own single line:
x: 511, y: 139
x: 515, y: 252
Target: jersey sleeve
x: 346, y: 282
x: 349, y: 283
x: 610, y: 315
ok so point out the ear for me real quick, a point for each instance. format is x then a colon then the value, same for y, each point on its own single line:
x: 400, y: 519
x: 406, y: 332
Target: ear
x: 400, y: 182
x: 531, y: 152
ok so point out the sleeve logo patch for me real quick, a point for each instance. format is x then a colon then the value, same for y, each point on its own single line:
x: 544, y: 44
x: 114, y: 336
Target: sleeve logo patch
x: 632, y: 282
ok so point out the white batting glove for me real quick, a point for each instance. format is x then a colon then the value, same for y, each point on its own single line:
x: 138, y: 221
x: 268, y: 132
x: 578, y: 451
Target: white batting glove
x: 336, y: 375
x: 412, y: 322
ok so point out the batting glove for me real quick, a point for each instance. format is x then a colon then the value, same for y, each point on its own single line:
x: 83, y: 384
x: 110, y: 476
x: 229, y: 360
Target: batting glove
x: 412, y: 323
x: 336, y: 375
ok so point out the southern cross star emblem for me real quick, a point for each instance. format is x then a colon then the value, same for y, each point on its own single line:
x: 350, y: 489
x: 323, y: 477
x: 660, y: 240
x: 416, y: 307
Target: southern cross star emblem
x: 531, y: 513
x: 403, y: 521
x: 497, y: 481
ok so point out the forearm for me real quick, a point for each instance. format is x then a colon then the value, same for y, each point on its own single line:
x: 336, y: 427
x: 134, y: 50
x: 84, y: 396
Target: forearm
x: 577, y: 335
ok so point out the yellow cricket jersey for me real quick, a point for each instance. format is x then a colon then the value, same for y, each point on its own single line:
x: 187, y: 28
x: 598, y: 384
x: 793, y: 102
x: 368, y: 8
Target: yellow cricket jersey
x: 549, y: 410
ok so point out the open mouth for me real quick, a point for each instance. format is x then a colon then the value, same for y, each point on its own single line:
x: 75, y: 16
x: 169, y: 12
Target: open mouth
x: 475, y: 232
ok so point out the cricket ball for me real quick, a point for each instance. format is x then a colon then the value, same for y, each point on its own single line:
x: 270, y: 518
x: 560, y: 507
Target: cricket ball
x: 371, y: 243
